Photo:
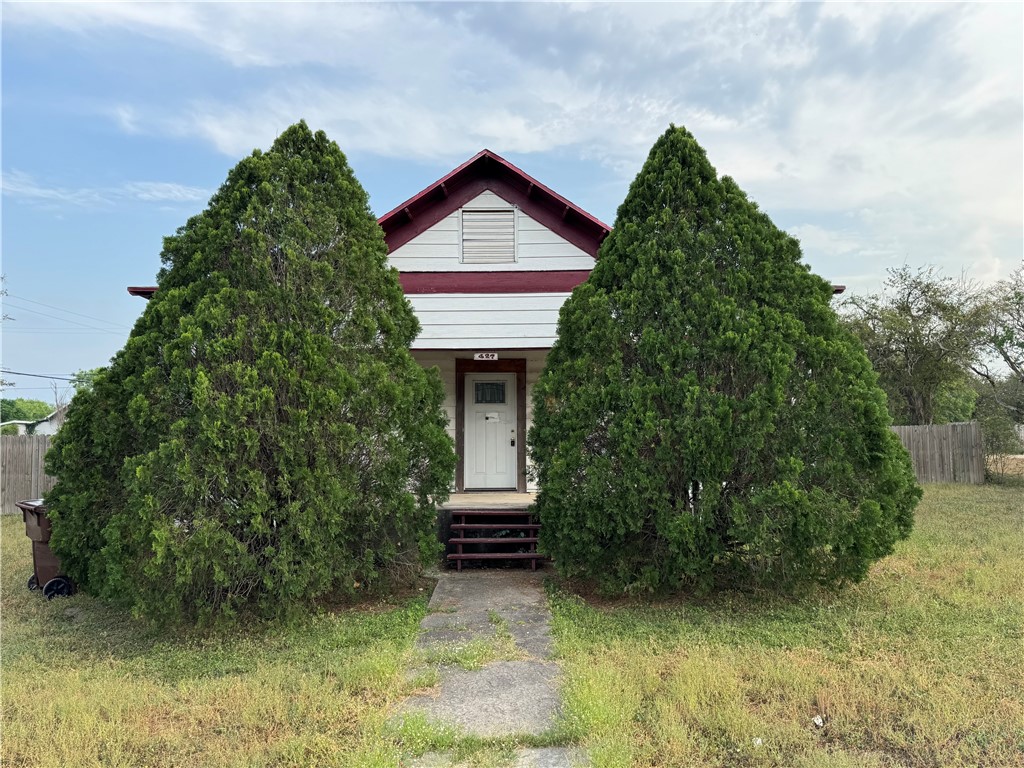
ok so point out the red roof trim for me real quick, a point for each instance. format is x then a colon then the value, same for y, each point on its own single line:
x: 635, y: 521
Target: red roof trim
x: 484, y: 171
x: 557, y: 281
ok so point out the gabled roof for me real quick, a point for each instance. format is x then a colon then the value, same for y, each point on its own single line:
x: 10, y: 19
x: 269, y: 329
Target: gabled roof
x: 486, y: 170
x: 489, y: 171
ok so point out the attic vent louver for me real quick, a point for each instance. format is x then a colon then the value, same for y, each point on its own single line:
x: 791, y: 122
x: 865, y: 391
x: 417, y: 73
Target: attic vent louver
x: 488, y: 236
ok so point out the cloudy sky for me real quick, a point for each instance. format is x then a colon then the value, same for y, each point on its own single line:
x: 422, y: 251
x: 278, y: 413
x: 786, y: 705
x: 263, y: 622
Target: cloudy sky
x: 877, y: 134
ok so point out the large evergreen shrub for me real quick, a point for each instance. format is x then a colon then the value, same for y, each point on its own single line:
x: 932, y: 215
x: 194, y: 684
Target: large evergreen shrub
x: 264, y: 437
x: 703, y: 415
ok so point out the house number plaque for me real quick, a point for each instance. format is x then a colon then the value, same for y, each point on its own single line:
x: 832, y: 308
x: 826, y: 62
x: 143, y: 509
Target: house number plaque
x: 485, y: 355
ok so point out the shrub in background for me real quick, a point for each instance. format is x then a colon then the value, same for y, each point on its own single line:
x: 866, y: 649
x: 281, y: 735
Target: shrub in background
x: 264, y: 437
x: 703, y: 416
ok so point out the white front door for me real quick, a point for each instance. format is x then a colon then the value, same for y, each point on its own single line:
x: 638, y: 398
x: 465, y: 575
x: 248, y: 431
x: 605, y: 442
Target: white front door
x: 490, y: 423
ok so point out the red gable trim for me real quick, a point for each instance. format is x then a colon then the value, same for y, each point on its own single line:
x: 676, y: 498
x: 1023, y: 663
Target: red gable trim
x: 562, y: 281
x: 522, y: 281
x: 556, y: 281
x: 481, y: 172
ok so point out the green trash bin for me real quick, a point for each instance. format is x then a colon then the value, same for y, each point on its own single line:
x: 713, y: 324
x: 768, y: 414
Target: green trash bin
x: 46, y: 570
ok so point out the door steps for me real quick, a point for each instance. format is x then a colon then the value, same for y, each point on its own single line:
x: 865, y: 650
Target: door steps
x: 494, y: 534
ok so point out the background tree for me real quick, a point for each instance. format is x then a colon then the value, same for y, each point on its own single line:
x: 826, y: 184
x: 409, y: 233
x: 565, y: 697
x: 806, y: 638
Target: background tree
x: 703, y: 414
x: 1000, y: 379
x: 264, y: 437
x: 956, y: 400
x: 1007, y: 328
x: 83, y: 379
x: 24, y: 409
x: 923, y: 334
x: 1000, y: 403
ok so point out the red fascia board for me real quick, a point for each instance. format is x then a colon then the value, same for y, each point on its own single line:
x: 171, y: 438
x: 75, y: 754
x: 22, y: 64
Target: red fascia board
x: 555, y: 281
x: 480, y: 159
x: 588, y: 242
x: 484, y: 171
x: 440, y: 184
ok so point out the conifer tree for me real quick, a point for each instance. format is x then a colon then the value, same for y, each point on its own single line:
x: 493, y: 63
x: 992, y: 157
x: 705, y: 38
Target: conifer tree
x: 703, y: 416
x: 264, y: 437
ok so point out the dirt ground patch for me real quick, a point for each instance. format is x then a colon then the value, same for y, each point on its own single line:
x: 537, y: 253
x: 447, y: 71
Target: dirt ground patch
x: 1007, y: 465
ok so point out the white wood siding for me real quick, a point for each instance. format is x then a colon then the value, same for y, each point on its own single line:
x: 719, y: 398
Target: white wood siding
x: 438, y: 250
x: 445, y: 362
x: 486, y: 321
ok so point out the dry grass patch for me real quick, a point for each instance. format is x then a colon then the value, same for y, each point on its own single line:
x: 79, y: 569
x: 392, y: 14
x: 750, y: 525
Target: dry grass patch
x: 921, y: 665
x: 1006, y: 466
x: 85, y: 685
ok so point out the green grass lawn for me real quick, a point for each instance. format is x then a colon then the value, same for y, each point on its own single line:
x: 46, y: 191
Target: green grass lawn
x: 85, y: 686
x: 921, y: 665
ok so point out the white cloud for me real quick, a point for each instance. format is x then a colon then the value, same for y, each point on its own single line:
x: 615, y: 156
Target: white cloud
x: 163, y: 191
x: 23, y: 186
x: 816, y: 239
x: 126, y: 117
x: 910, y: 112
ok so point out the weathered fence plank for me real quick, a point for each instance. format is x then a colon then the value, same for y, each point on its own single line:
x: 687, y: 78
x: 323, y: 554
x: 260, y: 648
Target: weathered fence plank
x: 21, y: 470
x: 945, y: 453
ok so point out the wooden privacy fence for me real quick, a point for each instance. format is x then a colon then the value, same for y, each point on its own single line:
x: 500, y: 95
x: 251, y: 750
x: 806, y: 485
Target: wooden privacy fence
x: 945, y: 453
x: 21, y: 469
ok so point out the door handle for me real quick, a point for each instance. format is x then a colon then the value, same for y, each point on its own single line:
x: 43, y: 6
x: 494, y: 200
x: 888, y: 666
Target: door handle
x: 512, y: 442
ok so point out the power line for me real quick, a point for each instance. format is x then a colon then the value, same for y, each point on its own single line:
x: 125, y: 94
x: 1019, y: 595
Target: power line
x: 52, y: 331
x: 66, y: 320
x: 67, y: 311
x: 67, y: 377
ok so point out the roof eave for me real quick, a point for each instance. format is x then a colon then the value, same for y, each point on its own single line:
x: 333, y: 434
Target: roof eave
x: 490, y: 170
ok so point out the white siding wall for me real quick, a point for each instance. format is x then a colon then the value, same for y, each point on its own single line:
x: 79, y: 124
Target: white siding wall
x: 47, y: 427
x: 445, y: 362
x: 486, y: 320
x: 538, y: 248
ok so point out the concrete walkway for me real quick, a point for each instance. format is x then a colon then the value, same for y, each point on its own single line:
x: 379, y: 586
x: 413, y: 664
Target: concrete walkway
x: 516, y: 697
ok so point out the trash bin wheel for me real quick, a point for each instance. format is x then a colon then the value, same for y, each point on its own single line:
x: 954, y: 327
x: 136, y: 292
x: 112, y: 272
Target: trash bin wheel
x: 58, y: 586
x: 33, y: 585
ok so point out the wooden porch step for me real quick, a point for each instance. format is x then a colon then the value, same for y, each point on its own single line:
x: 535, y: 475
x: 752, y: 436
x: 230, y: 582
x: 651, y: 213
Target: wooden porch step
x: 506, y: 540
x: 508, y: 512
x: 488, y: 521
x: 499, y: 556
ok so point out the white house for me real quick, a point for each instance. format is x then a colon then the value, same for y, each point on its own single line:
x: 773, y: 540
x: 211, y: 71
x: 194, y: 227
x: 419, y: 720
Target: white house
x: 487, y: 255
x: 45, y: 426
